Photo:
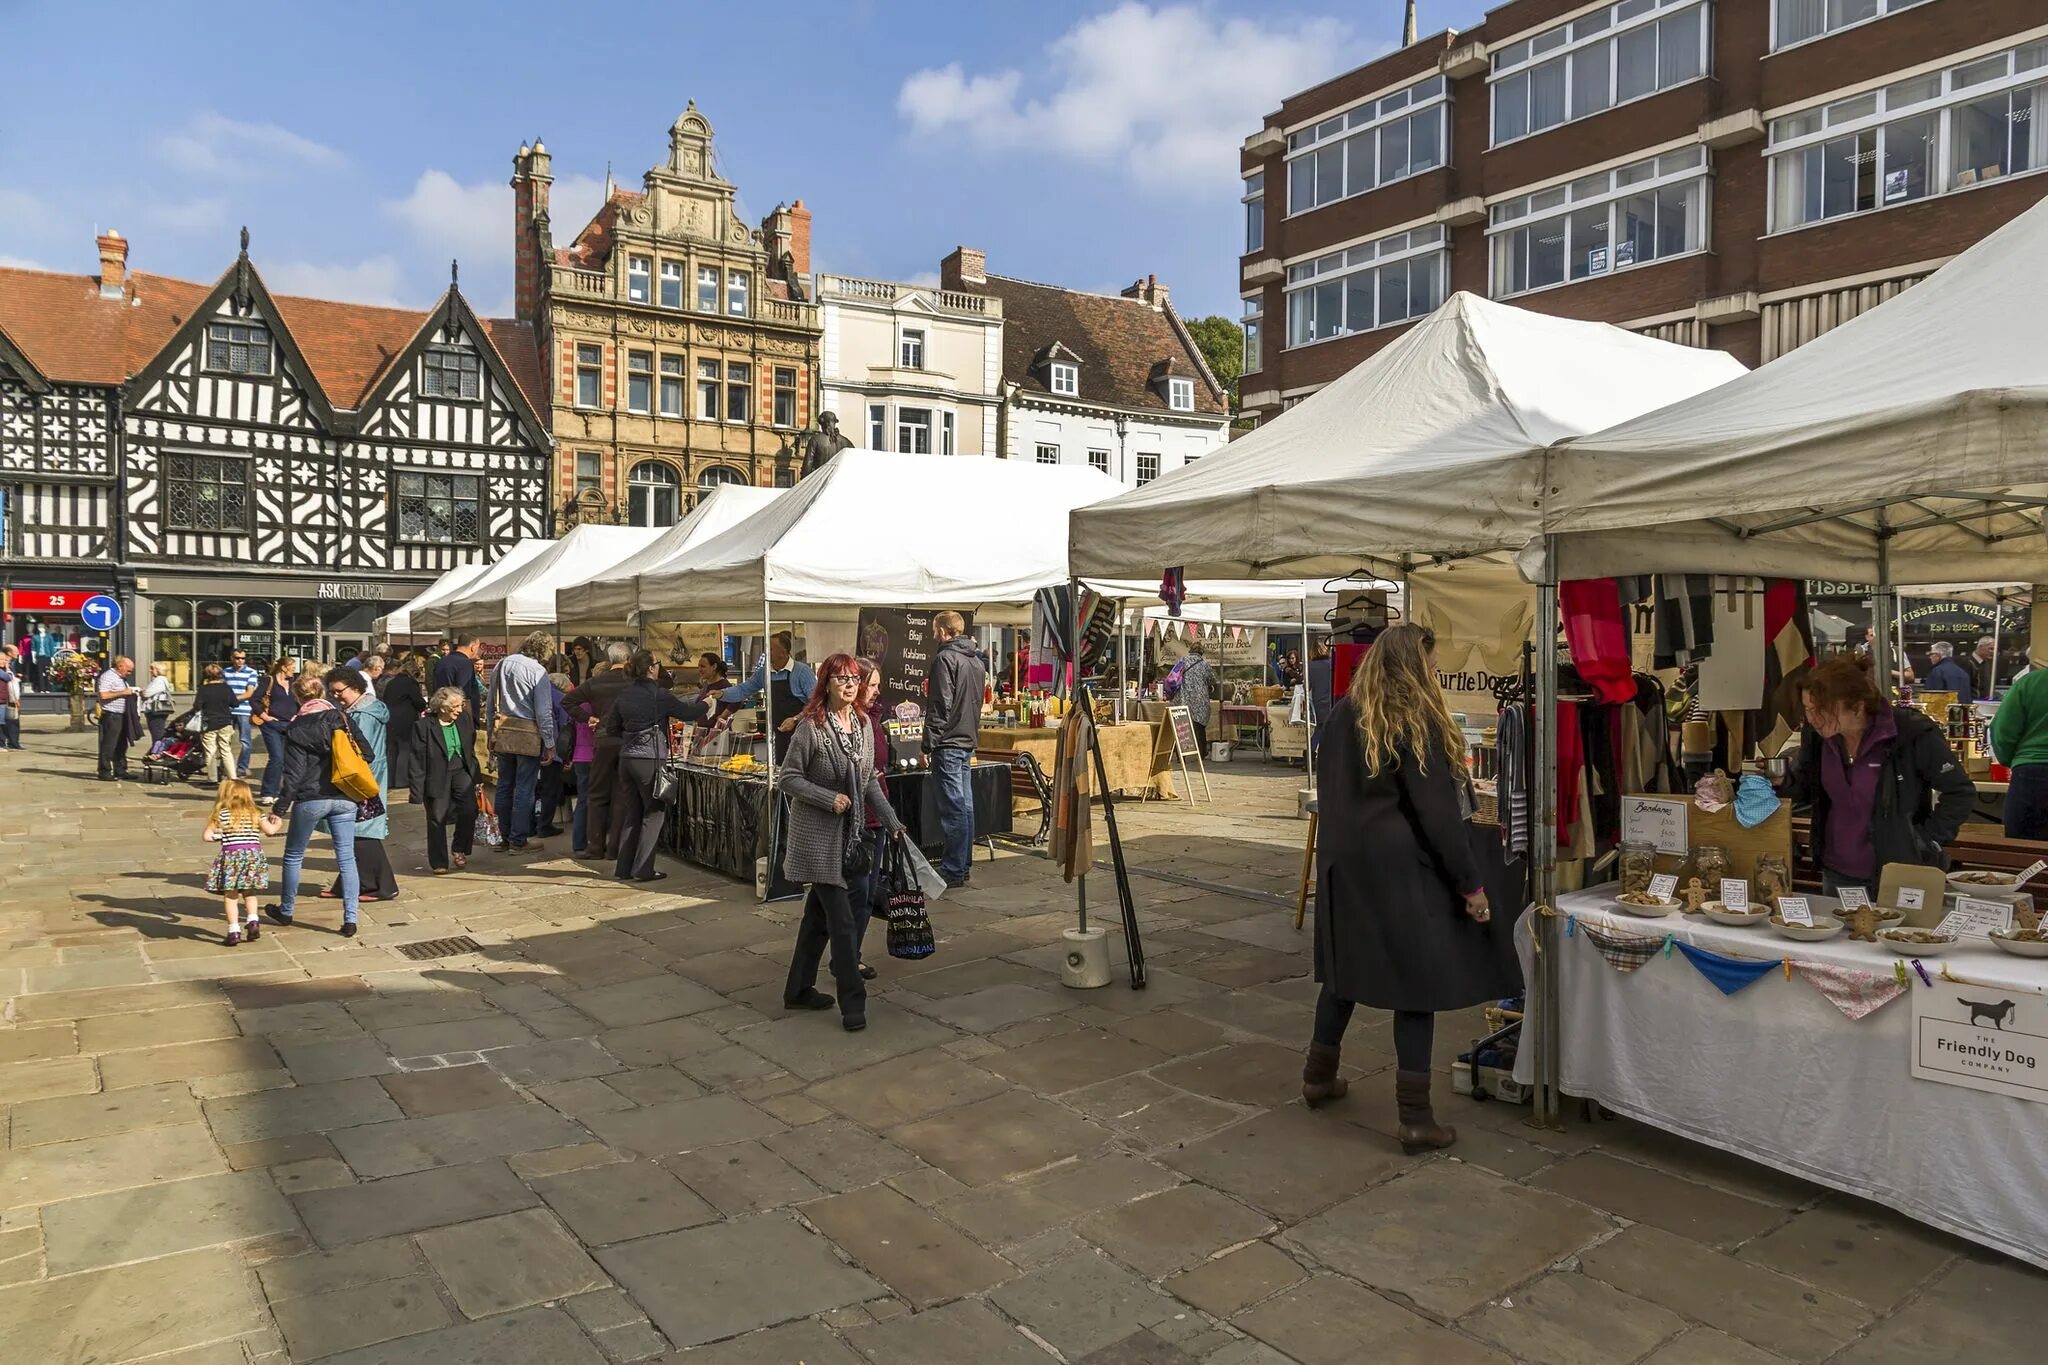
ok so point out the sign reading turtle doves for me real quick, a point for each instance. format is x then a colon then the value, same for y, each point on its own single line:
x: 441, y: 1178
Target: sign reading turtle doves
x: 1991, y: 1038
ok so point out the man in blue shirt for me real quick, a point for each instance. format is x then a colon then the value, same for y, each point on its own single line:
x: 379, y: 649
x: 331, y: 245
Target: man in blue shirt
x: 791, y: 686
x: 243, y: 681
x: 1946, y: 675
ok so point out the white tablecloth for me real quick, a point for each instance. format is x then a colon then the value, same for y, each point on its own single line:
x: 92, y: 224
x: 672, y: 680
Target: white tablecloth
x: 1778, y: 1074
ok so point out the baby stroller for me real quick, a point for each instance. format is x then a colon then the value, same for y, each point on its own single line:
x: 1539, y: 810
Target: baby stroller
x: 178, y: 751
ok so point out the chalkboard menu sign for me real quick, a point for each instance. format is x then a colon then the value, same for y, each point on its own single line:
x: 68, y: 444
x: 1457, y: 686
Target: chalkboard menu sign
x: 901, y: 644
x: 1184, y: 744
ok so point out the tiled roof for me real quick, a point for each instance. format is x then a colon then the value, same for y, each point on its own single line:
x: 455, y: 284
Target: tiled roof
x: 73, y: 335
x: 1117, y: 341
x: 593, y: 246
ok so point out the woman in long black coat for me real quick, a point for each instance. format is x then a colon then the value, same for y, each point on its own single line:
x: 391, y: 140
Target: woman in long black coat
x: 403, y: 692
x: 1402, y: 920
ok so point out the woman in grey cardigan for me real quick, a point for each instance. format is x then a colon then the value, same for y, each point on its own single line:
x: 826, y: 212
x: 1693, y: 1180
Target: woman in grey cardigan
x: 829, y: 765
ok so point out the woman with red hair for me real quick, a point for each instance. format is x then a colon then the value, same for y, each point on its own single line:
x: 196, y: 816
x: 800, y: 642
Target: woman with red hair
x: 828, y: 768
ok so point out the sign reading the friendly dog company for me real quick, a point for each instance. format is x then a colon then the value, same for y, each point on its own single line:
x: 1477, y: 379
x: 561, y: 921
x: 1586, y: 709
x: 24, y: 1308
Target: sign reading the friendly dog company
x: 1991, y: 1038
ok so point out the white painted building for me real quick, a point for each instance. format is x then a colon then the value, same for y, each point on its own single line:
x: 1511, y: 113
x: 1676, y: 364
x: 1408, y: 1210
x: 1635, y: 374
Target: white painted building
x: 911, y: 368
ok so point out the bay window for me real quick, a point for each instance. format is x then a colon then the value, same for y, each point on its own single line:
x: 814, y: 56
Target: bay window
x: 1377, y: 143
x: 914, y: 431
x: 1625, y: 52
x: 878, y: 422
x: 1646, y: 211
x: 1929, y: 135
x: 1375, y: 284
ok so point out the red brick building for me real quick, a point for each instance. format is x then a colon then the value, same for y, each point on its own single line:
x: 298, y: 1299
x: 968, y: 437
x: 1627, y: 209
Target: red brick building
x: 1740, y: 174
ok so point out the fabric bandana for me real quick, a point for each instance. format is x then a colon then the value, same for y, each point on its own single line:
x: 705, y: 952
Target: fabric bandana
x: 1729, y: 974
x: 1851, y: 990
x: 1624, y: 952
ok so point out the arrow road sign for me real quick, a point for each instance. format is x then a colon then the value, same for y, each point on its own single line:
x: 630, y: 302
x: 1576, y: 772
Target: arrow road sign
x: 101, y: 613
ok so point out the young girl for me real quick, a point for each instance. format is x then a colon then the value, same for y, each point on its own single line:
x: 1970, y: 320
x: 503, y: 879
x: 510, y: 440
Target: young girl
x: 240, y: 869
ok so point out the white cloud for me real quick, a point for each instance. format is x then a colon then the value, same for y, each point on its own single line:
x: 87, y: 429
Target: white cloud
x: 214, y: 145
x: 21, y: 263
x: 376, y: 280
x: 24, y: 213
x: 1169, y: 91
x: 190, y: 215
x: 473, y: 222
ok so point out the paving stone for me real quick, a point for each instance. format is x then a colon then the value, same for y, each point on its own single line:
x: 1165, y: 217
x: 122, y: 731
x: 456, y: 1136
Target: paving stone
x: 995, y: 1007
x: 1447, y: 1237
x: 40, y: 1041
x: 538, y: 1336
x: 794, y: 1110
x: 1173, y: 1229
x: 1705, y: 1346
x: 147, y: 1309
x: 1082, y: 1303
x: 655, y: 1084
x: 284, y: 1151
x: 1002, y: 1136
x: 1982, y: 1309
x: 667, y: 1041
x: 531, y: 1166
x: 1322, y: 1322
x: 1289, y: 1162
x: 602, y: 1310
x: 118, y: 1161
x: 924, y: 1260
x: 321, y: 1272
x: 409, y: 1002
x: 402, y: 1145
x: 461, y: 1035
x: 42, y: 1009
x: 624, y: 1345
x: 742, y: 1178
x: 157, y: 1028
x: 580, y: 1099
x: 323, y: 1324
x: 1572, y: 1319
x: 1760, y: 1306
x: 253, y: 995
x: 1173, y: 1032
x: 159, y: 1220
x: 732, y: 970
x: 645, y: 1001
x: 302, y: 1024
x: 410, y: 1203
x: 119, y: 1111
x: 1007, y: 1213
x: 841, y: 1156
x: 306, y: 1109
x: 567, y: 1059
x: 952, y: 1335
x: 683, y: 1125
x: 907, y: 1088
x: 1151, y: 1113
x: 814, y: 1048
x: 1643, y: 1195
x: 321, y: 1173
x: 449, y: 1090
x: 616, y: 1203
x: 795, y: 1343
x: 728, y: 1066
x: 1232, y: 1282
x: 47, y: 1077
x: 512, y: 1261
x: 1259, y: 1074
x: 1140, y: 1348
x: 239, y: 1083
x: 1843, y: 1245
x: 346, y: 1059
x: 1075, y: 1059
x: 87, y: 976
x: 702, y: 1284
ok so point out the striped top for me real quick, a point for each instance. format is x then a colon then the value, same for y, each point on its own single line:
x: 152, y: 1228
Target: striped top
x: 243, y: 679
x: 235, y: 830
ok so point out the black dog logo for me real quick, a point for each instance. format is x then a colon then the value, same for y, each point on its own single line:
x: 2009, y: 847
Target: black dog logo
x: 1997, y: 1014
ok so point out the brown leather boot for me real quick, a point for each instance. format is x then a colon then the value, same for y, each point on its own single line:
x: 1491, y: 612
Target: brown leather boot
x: 1320, y: 1082
x: 1419, y: 1131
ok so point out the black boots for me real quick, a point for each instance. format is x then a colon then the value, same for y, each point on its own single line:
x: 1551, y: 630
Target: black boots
x: 1419, y: 1131
x: 1320, y: 1082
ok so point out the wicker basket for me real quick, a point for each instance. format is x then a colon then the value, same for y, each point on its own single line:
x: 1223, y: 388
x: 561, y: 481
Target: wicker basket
x: 1485, y: 803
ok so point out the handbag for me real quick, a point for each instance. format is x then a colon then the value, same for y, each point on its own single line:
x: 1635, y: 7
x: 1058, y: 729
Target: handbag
x: 347, y: 770
x: 486, y: 818
x: 194, y: 724
x: 664, y: 785
x: 928, y: 879
x: 910, y: 928
x: 516, y: 736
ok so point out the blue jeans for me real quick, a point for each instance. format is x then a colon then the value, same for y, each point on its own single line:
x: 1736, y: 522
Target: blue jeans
x: 517, y: 776
x: 10, y: 727
x: 340, y: 819
x: 242, y: 730
x: 579, y: 825
x: 273, y: 763
x: 952, y: 770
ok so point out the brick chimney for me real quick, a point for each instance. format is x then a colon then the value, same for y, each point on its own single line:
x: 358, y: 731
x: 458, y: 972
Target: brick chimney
x: 800, y: 238
x: 113, y: 264
x: 1148, y: 291
x: 532, y: 174
x: 966, y: 268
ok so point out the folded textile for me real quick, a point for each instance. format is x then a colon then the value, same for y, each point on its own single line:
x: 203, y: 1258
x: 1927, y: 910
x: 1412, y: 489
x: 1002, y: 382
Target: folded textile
x: 1598, y: 637
x: 1755, y: 802
x: 1624, y: 952
x: 1713, y: 792
x: 1851, y: 990
x: 1729, y: 974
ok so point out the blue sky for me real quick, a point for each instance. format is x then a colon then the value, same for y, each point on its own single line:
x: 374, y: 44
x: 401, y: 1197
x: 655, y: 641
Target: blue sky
x: 364, y: 144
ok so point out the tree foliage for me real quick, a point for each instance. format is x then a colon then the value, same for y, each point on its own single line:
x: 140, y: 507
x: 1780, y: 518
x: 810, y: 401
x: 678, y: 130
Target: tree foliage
x: 1222, y: 345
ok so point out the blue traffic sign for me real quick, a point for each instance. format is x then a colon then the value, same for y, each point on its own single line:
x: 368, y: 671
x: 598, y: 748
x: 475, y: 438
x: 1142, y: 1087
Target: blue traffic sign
x: 101, y: 612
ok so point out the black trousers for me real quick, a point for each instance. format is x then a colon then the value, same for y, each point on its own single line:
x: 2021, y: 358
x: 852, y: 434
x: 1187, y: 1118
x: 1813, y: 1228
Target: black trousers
x: 462, y: 815
x: 1414, y: 1030
x: 547, y: 795
x: 2026, y: 802
x: 373, y: 868
x: 604, y: 794
x: 637, y: 820
x: 113, y: 743
x: 829, y: 920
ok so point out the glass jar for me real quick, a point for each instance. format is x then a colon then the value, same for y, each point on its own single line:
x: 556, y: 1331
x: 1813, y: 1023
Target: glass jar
x: 1638, y: 865
x: 1773, y: 878
x: 1710, y: 864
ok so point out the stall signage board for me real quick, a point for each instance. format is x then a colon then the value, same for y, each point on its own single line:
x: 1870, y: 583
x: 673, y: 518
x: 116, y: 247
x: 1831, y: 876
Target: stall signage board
x: 1992, y: 1038
x: 901, y: 643
x: 1661, y: 824
x: 1973, y: 918
x: 1184, y: 744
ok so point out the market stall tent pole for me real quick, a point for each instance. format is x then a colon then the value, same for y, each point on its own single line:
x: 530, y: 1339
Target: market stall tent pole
x: 1543, y: 850
x: 768, y: 686
x: 1884, y: 610
x: 1309, y: 761
x: 1074, y: 664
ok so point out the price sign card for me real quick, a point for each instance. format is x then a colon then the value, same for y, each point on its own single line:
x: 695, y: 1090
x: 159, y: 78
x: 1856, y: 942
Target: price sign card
x: 1734, y: 893
x: 1854, y: 897
x: 1664, y: 885
x: 1661, y: 824
x: 2029, y: 872
x: 1795, y: 910
x: 1972, y: 918
x: 1912, y: 898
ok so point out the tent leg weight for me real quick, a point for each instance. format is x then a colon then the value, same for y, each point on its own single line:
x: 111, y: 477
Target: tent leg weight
x: 1087, y: 962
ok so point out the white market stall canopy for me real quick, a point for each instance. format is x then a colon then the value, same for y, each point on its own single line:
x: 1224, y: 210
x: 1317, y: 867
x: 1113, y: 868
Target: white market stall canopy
x: 432, y: 617
x: 524, y: 598
x: 879, y: 529
x: 608, y: 603
x: 401, y: 622
x: 1909, y: 445
x: 1433, y: 446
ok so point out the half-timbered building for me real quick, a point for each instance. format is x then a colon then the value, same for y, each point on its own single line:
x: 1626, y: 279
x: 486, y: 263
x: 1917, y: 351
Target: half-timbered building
x: 253, y: 471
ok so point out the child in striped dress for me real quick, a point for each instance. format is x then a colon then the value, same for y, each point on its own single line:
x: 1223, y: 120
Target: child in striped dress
x: 240, y: 869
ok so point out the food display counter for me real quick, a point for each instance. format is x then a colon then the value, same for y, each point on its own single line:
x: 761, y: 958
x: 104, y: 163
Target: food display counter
x: 1133, y: 756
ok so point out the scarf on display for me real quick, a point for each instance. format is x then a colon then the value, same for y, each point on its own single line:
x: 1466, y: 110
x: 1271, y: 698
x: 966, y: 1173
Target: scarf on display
x: 1685, y: 619
x: 1729, y: 974
x: 1851, y: 990
x: 1173, y: 590
x: 1598, y: 635
x: 1788, y: 657
x: 1624, y: 952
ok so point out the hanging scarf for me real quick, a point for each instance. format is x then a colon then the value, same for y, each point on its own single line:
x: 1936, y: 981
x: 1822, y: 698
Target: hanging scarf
x: 1851, y: 990
x: 1729, y: 974
x: 1624, y: 952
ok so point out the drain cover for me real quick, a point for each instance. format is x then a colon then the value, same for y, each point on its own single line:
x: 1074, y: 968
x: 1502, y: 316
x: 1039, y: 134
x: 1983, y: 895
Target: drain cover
x: 428, y: 949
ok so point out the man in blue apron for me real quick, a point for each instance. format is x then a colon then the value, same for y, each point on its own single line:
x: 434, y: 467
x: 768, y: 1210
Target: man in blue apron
x: 789, y: 686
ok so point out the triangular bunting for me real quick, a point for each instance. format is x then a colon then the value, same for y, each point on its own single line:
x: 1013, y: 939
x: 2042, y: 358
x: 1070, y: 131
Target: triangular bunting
x: 1729, y: 974
x: 1851, y: 990
x: 1624, y: 952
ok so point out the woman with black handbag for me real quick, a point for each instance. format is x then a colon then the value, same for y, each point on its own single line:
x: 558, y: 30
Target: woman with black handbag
x: 828, y: 767
x: 639, y: 718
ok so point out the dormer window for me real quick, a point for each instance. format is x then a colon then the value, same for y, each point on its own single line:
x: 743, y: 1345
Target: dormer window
x: 238, y: 348
x: 1064, y: 379
x: 449, y: 373
x: 1180, y: 394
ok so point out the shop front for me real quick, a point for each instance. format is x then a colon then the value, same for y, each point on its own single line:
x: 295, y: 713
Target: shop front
x: 191, y: 622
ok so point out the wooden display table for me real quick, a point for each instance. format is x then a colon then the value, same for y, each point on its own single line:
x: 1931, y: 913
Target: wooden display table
x: 1133, y: 756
